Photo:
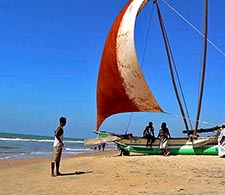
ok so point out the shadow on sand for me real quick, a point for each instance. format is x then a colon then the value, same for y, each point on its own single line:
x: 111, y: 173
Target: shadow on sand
x: 75, y: 173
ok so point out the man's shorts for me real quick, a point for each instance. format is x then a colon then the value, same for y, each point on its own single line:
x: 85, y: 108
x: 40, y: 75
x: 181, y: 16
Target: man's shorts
x: 56, y: 154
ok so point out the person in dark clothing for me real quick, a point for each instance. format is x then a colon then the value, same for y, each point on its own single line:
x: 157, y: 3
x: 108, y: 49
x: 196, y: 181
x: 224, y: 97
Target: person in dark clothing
x: 149, y: 134
x: 103, y: 146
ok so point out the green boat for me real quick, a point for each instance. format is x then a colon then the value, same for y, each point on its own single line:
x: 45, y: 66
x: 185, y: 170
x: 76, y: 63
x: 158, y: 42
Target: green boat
x: 122, y: 88
x: 129, y: 143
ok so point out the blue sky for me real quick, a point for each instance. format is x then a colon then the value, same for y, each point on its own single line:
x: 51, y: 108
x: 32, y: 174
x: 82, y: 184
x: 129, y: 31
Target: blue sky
x: 51, y: 50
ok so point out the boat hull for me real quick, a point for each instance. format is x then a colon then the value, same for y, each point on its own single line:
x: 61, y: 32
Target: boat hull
x: 176, y: 146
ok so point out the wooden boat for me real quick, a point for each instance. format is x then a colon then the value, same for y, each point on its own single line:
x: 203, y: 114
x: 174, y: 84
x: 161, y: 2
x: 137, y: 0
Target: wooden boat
x: 122, y: 88
x: 135, y: 144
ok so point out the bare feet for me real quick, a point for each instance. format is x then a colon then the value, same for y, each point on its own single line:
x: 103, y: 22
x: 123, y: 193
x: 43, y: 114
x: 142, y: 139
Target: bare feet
x: 58, y: 174
x: 167, y: 153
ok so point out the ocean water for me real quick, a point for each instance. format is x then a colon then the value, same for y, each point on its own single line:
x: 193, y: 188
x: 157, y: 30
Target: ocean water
x: 29, y: 146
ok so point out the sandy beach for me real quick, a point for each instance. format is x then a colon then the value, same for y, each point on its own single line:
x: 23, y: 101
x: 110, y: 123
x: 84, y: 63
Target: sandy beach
x: 107, y: 173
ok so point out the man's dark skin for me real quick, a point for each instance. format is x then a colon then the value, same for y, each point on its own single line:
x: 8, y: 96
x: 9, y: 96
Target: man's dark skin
x: 58, y: 133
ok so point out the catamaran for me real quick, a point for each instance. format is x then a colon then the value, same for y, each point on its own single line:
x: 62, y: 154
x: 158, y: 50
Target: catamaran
x: 122, y: 88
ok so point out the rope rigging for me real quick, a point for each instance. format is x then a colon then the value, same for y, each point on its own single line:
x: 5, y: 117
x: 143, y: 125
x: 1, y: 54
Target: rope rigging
x: 173, y: 69
x: 192, y: 26
x: 169, y: 54
x: 142, y: 61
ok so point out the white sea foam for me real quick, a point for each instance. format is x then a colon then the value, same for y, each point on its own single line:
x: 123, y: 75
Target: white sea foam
x: 78, y: 149
x: 38, y: 140
x: 28, y: 146
x: 25, y: 140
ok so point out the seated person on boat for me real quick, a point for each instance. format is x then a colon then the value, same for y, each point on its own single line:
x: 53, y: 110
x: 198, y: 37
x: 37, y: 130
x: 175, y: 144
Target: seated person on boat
x: 149, y: 134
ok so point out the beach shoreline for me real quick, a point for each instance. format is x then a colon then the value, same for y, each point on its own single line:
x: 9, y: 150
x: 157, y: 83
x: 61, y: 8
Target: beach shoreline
x: 108, y: 173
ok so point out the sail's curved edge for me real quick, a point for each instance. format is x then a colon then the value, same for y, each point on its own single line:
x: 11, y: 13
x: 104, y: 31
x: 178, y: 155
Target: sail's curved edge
x: 121, y: 84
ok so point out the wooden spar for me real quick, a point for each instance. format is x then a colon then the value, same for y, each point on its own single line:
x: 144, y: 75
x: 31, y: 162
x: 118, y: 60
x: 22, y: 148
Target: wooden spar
x: 170, y: 65
x: 205, y: 130
x: 203, y: 66
x: 100, y: 140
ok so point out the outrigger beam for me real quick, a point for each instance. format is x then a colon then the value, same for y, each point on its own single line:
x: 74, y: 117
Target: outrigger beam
x: 206, y: 130
x: 96, y: 141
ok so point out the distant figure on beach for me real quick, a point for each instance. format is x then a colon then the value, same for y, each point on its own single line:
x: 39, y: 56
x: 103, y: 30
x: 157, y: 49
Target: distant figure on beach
x: 149, y: 134
x: 163, y: 136
x: 99, y: 147
x: 57, y: 147
x: 103, y: 146
x: 94, y: 148
x: 221, y: 143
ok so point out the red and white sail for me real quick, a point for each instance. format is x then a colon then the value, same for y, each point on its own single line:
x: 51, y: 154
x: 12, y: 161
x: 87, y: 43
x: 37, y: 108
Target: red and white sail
x: 121, y: 84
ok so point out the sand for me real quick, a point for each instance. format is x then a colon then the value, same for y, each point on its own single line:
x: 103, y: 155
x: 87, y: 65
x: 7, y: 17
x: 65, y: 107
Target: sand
x: 107, y: 173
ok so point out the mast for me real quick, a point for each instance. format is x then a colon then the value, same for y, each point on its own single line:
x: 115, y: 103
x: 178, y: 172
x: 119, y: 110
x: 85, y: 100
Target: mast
x: 170, y: 64
x: 203, y: 65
